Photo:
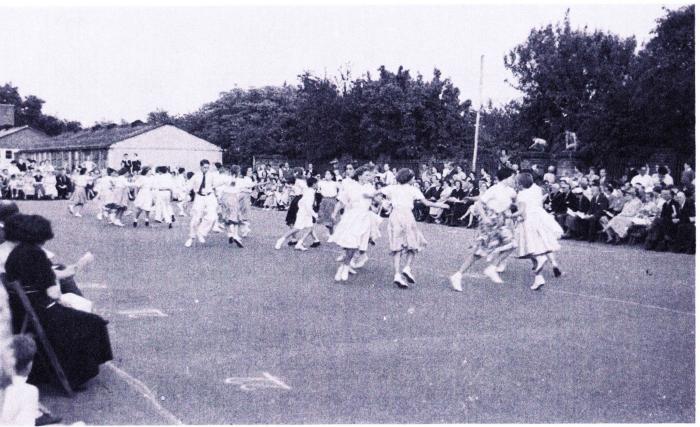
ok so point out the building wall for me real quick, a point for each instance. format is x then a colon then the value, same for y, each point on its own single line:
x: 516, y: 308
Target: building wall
x: 9, y: 145
x: 165, y: 146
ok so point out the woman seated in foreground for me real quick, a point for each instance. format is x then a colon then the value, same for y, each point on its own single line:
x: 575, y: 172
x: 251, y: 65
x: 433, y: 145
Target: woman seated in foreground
x: 79, y: 339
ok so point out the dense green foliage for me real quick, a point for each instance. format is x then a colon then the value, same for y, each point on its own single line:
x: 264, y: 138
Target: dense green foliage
x: 621, y: 101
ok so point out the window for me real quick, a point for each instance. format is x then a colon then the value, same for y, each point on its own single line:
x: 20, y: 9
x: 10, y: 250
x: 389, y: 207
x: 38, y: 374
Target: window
x: 8, y: 154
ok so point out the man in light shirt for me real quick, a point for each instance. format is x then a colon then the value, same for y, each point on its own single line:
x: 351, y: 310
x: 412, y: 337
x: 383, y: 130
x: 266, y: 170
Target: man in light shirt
x: 388, y: 176
x: 643, y: 179
x: 204, y: 205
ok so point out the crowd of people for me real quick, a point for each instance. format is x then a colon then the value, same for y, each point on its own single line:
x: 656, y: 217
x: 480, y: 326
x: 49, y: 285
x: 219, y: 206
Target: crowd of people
x: 521, y: 212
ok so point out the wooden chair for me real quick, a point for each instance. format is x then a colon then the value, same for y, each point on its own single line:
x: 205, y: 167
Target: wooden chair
x: 31, y: 318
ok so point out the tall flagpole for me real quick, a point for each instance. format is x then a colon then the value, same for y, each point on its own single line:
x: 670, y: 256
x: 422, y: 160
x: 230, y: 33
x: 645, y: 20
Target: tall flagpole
x: 478, y: 113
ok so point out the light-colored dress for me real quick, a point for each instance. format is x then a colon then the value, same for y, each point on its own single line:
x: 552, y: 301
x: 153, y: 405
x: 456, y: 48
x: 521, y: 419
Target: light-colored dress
x: 402, y: 229
x: 353, y: 230
x: 305, y: 214
x: 230, y: 205
x: 329, y: 191
x: 539, y: 232
x: 144, y: 198
x: 622, y: 222
x: 79, y: 196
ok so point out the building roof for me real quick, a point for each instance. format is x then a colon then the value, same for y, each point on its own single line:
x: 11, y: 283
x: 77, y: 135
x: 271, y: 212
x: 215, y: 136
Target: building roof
x: 89, y: 138
x: 20, y: 137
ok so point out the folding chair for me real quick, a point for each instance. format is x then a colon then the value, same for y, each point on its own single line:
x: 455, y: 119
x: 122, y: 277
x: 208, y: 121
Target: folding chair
x: 30, y: 317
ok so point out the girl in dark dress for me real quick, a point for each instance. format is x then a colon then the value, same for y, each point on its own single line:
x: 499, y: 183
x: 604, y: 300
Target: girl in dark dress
x: 80, y: 340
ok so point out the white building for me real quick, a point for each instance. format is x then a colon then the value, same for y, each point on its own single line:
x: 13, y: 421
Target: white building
x: 153, y: 145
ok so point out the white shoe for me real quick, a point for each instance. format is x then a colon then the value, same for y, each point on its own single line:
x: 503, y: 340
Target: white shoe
x: 500, y: 268
x: 99, y: 216
x: 70, y: 209
x: 299, y: 247
x: 492, y: 274
x: 200, y: 239
x: 340, y: 258
x: 539, y: 282
x: 339, y: 274
x: 408, y: 276
x: 118, y: 223
x: 189, y: 242
x: 351, y: 270
x: 398, y: 281
x: 279, y: 243
x: 456, y: 281
x: 78, y: 215
x: 345, y: 273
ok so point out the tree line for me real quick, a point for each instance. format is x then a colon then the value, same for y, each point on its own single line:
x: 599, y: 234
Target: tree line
x: 621, y: 100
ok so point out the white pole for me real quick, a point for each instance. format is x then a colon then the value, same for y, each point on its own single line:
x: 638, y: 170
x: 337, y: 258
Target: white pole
x: 478, y: 113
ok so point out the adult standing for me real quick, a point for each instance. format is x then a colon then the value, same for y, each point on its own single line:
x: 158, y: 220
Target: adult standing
x: 126, y: 162
x: 135, y: 164
x: 204, y: 204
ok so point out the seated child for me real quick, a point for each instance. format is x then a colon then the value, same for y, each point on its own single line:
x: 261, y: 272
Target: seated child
x: 21, y: 400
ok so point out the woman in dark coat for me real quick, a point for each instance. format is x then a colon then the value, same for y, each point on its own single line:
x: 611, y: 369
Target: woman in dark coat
x: 80, y: 340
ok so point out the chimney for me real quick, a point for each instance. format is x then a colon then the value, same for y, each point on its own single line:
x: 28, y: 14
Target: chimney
x: 7, y: 115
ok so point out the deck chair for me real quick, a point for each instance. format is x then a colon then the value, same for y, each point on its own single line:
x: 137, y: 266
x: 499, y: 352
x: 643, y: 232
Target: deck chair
x: 32, y: 320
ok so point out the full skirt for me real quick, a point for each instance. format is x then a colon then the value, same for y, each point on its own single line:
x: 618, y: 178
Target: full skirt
x: 404, y: 233
x: 354, y: 229
x: 538, y: 234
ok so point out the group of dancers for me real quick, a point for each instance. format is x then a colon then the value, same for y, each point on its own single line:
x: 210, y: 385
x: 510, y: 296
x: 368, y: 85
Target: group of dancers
x: 512, y: 219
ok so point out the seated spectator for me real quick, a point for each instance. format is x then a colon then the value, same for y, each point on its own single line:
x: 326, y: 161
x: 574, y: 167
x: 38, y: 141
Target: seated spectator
x: 21, y: 400
x: 580, y: 206
x: 457, y: 202
x: 445, y: 193
x: 662, y: 230
x: 685, y: 225
x: 590, y: 224
x: 620, y: 224
x: 79, y: 339
x: 562, y: 201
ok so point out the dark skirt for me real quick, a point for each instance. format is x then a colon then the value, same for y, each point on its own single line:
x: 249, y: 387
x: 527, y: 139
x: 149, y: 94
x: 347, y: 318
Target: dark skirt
x: 80, y: 341
x: 292, y: 211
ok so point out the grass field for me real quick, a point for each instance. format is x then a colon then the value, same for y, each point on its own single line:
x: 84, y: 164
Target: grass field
x: 611, y: 341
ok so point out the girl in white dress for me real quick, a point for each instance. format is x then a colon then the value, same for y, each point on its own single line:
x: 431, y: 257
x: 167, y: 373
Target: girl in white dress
x: 162, y: 194
x: 229, y: 201
x: 118, y: 196
x: 50, y: 185
x: 354, y: 228
x: 305, y: 217
x: 79, y: 197
x: 538, y: 232
x: 143, y: 203
x: 102, y: 186
x: 181, y: 191
x: 404, y: 236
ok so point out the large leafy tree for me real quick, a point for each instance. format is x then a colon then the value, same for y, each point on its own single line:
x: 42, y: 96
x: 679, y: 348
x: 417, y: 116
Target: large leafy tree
x: 663, y: 98
x: 573, y: 80
x: 28, y: 111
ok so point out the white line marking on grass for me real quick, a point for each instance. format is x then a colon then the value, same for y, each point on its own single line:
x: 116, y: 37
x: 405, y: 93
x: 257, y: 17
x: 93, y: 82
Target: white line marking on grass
x: 254, y: 383
x: 142, y: 312
x: 146, y: 392
x: 656, y: 307
x: 277, y: 381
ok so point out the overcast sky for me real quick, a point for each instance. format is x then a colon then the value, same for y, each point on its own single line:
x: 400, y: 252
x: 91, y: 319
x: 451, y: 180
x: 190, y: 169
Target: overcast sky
x: 113, y: 64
